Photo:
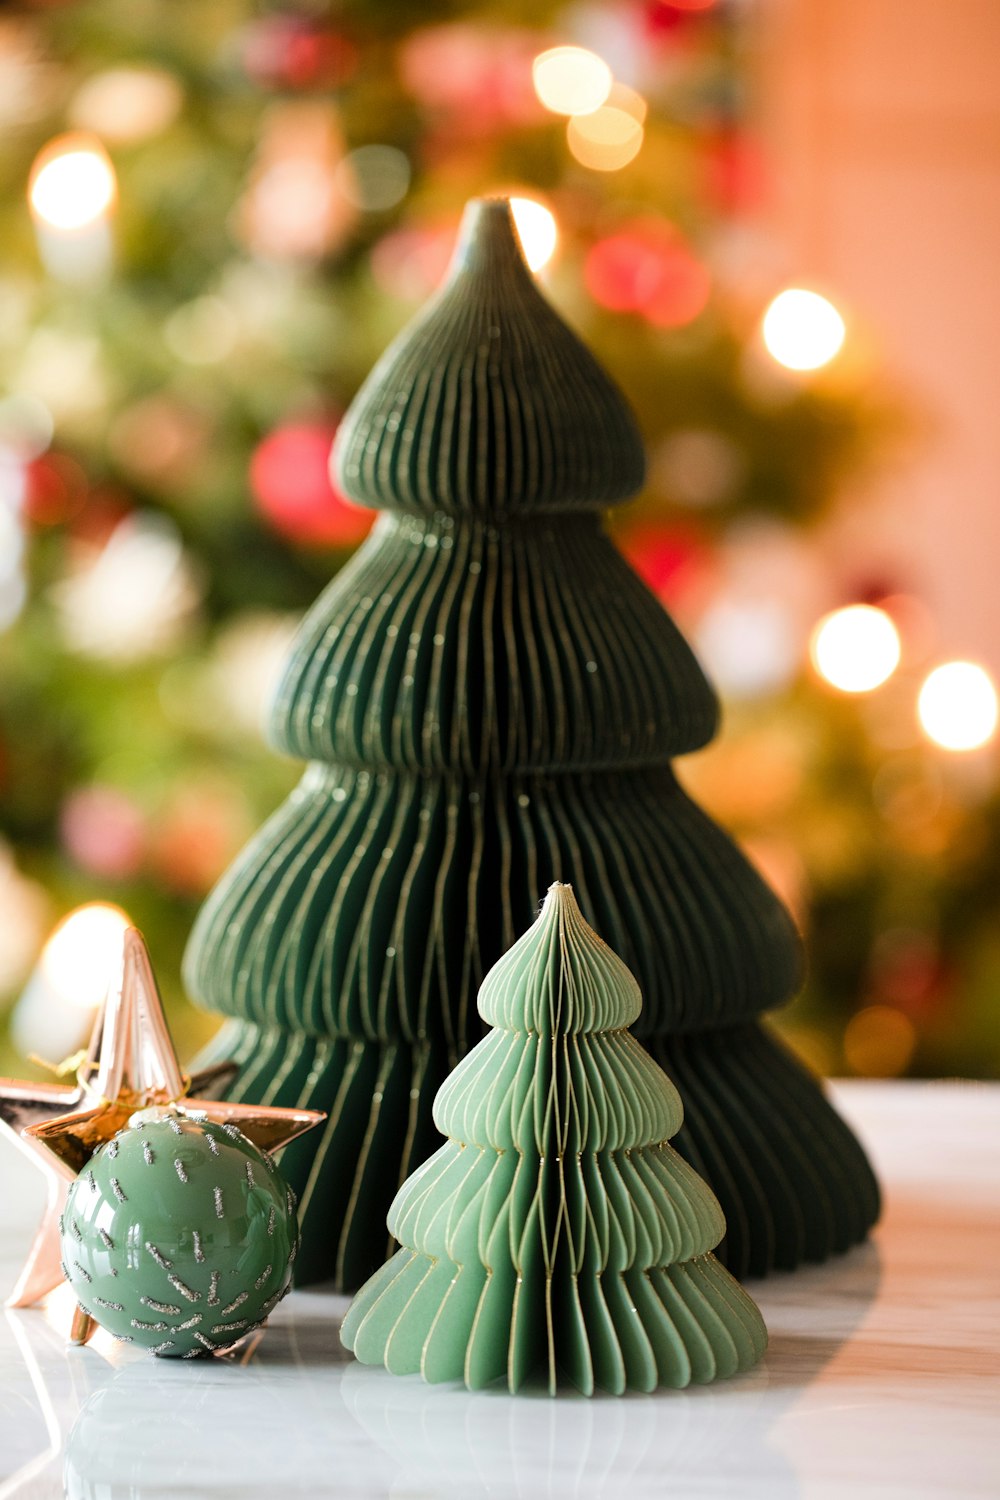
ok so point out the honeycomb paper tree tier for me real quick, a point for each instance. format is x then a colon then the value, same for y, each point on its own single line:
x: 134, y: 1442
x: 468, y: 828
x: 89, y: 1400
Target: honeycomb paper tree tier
x: 556, y: 1236
x: 489, y: 701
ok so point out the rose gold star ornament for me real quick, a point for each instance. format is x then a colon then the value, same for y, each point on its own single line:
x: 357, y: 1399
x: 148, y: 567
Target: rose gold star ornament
x: 130, y: 1065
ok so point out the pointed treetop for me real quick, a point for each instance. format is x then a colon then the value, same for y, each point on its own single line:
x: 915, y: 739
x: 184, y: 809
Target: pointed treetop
x: 560, y: 977
x: 488, y: 404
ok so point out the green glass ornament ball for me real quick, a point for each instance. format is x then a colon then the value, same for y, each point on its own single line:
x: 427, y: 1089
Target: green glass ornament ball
x: 179, y: 1235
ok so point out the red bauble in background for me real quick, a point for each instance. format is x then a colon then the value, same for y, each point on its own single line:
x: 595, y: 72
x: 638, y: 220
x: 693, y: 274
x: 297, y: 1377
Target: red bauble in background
x: 735, y: 171
x: 648, y: 268
x: 670, y: 559
x: 296, y: 52
x: 290, y: 479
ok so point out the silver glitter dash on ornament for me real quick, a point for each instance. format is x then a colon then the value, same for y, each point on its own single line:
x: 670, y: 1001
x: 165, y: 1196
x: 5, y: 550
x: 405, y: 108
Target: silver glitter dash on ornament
x: 233, y: 1131
x: 149, y: 1327
x: 93, y: 1182
x: 191, y: 1323
x: 182, y: 1287
x: 161, y: 1348
x: 217, y: 1195
x: 174, y: 1124
x: 213, y: 1290
x: 179, y: 1169
x: 147, y: 1154
x: 230, y: 1327
x: 170, y: 1308
x: 270, y: 1220
x: 75, y: 1231
x: 213, y: 1144
x: 83, y: 1271
x: 206, y: 1343
x: 159, y: 1257
x: 106, y: 1239
x: 111, y: 1306
x: 249, y: 1171
x: 199, y: 1253
x: 112, y: 1149
x: 236, y: 1302
x: 263, y: 1277
x: 118, y: 1190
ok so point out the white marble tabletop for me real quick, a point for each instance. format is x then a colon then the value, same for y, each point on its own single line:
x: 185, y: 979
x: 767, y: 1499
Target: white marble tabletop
x: 882, y: 1377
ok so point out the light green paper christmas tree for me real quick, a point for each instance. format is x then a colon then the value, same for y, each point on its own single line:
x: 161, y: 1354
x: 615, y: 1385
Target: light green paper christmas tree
x: 557, y: 1236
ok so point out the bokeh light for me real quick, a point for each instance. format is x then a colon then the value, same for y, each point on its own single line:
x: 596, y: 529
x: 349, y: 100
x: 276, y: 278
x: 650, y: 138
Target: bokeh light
x: 134, y: 597
x: 605, y: 140
x: 802, y: 330
x: 80, y: 956
x: 202, y: 332
x: 55, y: 1011
x: 127, y: 104
x: 855, y: 649
x: 957, y: 706
x: 295, y: 489
x: 748, y: 645
x: 571, y: 80
x: 879, y: 1042
x: 648, y: 268
x: 410, y: 262
x: 72, y: 183
x: 537, y: 231
x: 374, y: 178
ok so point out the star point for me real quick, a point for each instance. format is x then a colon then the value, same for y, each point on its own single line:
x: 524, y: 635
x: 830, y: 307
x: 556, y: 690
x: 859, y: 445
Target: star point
x: 138, y: 1067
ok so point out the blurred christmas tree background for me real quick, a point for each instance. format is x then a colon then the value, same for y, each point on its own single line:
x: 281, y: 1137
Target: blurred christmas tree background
x: 214, y: 219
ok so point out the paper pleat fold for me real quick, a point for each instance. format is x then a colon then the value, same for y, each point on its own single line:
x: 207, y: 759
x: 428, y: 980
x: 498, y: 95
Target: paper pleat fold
x: 489, y: 700
x: 557, y: 1236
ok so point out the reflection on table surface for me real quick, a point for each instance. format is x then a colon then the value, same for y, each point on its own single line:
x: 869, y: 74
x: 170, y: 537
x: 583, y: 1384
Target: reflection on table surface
x: 881, y: 1377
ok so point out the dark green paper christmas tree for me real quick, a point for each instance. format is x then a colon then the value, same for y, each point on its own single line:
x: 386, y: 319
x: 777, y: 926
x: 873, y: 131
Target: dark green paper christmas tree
x: 556, y: 1236
x: 489, y: 700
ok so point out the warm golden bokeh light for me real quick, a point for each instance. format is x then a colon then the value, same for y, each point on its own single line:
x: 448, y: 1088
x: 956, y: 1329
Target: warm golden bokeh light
x: 537, y: 231
x: 571, y: 80
x: 856, y: 648
x: 879, y: 1042
x: 72, y: 182
x: 802, y: 330
x: 957, y: 706
x: 629, y: 100
x: 80, y: 956
x: 605, y: 140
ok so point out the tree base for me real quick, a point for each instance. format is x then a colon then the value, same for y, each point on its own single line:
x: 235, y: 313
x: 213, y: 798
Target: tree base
x: 637, y: 1329
x: 793, y: 1181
